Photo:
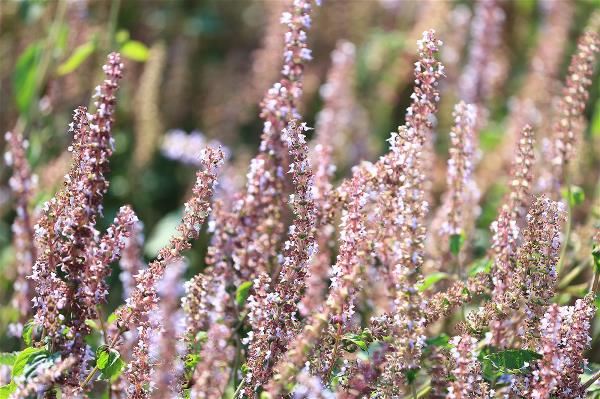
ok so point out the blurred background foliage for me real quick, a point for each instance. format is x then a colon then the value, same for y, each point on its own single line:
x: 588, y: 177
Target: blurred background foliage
x: 204, y: 65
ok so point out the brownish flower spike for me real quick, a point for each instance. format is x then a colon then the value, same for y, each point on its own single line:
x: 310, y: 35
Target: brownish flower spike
x: 22, y: 183
x: 569, y: 122
x: 274, y: 314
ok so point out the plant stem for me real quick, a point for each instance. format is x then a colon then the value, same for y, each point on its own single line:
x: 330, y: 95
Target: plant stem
x: 238, y: 390
x: 102, y: 324
x: 112, y: 24
x: 90, y: 376
x: 111, y: 345
x: 422, y: 392
x: 595, y: 281
x: 334, y: 354
x: 589, y: 382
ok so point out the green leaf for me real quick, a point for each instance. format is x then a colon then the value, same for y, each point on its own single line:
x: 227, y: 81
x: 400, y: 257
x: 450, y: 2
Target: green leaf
x: 25, y: 357
x: 25, y: 76
x: 511, y: 361
x: 242, y: 292
x: 134, y: 50
x: 431, y: 280
x: 111, y: 318
x: 113, y: 370
x: 109, y: 362
x: 102, y: 358
x: 122, y: 36
x: 191, y: 360
x: 357, y: 340
x: 105, y: 356
x: 28, y: 333
x: 489, y: 372
x: 7, y: 390
x: 8, y: 358
x: 483, y: 265
x: 575, y: 195
x: 92, y: 324
x: 162, y: 233
x: 441, y: 340
x: 37, y: 360
x: 456, y: 242
x: 411, y: 375
x: 80, y: 54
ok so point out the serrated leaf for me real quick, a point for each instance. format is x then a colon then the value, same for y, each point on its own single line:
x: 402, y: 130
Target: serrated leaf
x: 23, y: 358
x: 431, y: 280
x: 456, y: 242
x: 242, y: 292
x: 80, y: 54
x: 25, y: 76
x: 134, y: 50
x: 8, y: 358
x: 511, y: 361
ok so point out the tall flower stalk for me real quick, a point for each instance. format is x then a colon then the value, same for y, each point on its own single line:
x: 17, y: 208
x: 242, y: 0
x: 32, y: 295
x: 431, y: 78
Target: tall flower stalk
x: 274, y: 311
x: 22, y: 183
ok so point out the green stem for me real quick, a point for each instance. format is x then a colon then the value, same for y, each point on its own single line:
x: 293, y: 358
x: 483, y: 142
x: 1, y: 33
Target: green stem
x: 595, y: 282
x: 422, y: 392
x: 111, y: 345
x: 112, y: 24
x: 238, y: 390
x: 45, y: 61
x: 102, y: 324
x: 90, y: 376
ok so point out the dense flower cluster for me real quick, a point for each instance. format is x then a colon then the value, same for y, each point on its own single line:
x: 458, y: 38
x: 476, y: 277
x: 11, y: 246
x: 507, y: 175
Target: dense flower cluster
x: 569, y: 124
x: 469, y: 382
x: 276, y: 312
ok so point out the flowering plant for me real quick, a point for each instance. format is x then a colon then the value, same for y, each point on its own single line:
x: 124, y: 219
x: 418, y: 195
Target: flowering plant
x: 316, y: 283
